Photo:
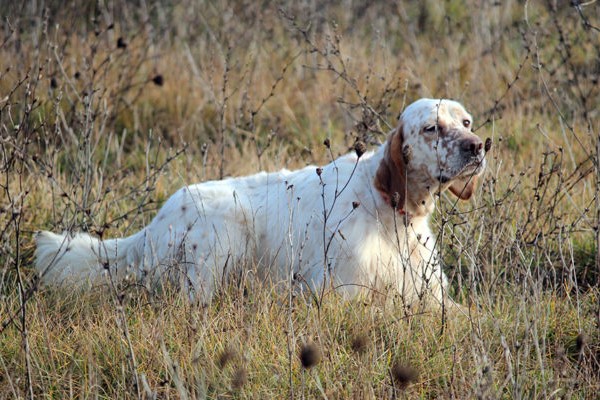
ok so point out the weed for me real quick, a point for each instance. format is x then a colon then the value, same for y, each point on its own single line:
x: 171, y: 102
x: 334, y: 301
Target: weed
x: 107, y: 108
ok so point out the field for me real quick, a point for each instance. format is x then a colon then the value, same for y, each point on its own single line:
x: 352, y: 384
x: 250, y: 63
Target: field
x: 107, y: 108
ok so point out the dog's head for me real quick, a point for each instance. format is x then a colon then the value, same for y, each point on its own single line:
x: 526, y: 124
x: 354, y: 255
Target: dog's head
x: 432, y: 149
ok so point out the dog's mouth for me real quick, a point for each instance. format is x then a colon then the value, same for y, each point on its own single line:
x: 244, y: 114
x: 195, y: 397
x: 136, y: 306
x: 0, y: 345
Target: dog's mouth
x: 473, y: 167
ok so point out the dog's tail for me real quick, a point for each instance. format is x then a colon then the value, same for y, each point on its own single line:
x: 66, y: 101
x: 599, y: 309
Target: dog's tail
x: 79, y: 259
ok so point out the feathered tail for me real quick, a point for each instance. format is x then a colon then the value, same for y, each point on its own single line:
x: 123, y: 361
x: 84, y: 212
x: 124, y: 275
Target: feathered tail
x: 79, y: 259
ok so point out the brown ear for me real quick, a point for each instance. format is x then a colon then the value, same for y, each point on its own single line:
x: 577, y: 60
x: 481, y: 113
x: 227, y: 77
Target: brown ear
x: 464, y: 188
x: 391, y: 174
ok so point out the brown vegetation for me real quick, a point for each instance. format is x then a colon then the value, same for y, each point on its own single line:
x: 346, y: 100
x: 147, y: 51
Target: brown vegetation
x: 108, y: 107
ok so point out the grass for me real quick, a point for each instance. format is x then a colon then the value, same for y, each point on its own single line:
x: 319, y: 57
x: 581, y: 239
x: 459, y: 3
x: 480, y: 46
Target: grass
x: 108, y: 108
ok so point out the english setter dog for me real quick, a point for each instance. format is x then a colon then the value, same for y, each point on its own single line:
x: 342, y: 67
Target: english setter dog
x: 357, y: 224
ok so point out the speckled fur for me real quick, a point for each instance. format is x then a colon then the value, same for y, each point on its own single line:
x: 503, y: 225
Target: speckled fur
x: 276, y: 220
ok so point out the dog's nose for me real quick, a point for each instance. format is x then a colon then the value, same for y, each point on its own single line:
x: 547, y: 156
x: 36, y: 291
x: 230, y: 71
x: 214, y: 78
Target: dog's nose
x: 472, y: 145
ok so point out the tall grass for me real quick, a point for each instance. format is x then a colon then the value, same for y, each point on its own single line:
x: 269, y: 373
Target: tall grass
x: 106, y: 108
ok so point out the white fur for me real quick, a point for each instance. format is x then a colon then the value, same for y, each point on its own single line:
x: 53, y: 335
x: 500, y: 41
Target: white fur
x: 277, y: 221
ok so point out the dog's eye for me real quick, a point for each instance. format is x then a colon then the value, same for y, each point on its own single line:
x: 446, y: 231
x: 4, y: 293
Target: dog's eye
x: 466, y: 123
x: 431, y: 129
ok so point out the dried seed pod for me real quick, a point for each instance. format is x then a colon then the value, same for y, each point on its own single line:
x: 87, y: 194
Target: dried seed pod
x: 360, y: 148
x: 360, y: 343
x: 319, y: 171
x: 158, y: 80
x: 327, y: 143
x: 355, y: 204
x: 226, y: 356
x: 581, y: 341
x: 404, y: 374
x: 310, y: 355
x: 239, y: 378
x: 121, y: 43
x: 488, y: 144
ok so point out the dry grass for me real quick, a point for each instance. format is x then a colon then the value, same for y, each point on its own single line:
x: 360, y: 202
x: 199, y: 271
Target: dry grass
x: 107, y: 108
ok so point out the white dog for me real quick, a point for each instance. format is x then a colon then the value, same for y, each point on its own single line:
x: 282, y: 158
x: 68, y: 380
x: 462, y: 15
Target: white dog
x: 356, y: 224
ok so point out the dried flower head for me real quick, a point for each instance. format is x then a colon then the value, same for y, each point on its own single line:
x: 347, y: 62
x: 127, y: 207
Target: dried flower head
x: 360, y: 148
x: 355, y: 204
x: 488, y: 145
x: 158, y: 80
x: 121, y: 43
x: 310, y: 355
x: 239, y: 378
x: 319, y: 171
x: 580, y: 341
x: 360, y: 343
x: 226, y: 356
x: 404, y: 374
x: 327, y: 143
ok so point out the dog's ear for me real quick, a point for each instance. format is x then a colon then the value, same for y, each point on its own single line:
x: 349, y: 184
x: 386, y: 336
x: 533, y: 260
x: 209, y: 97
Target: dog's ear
x: 464, y: 188
x: 391, y: 174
